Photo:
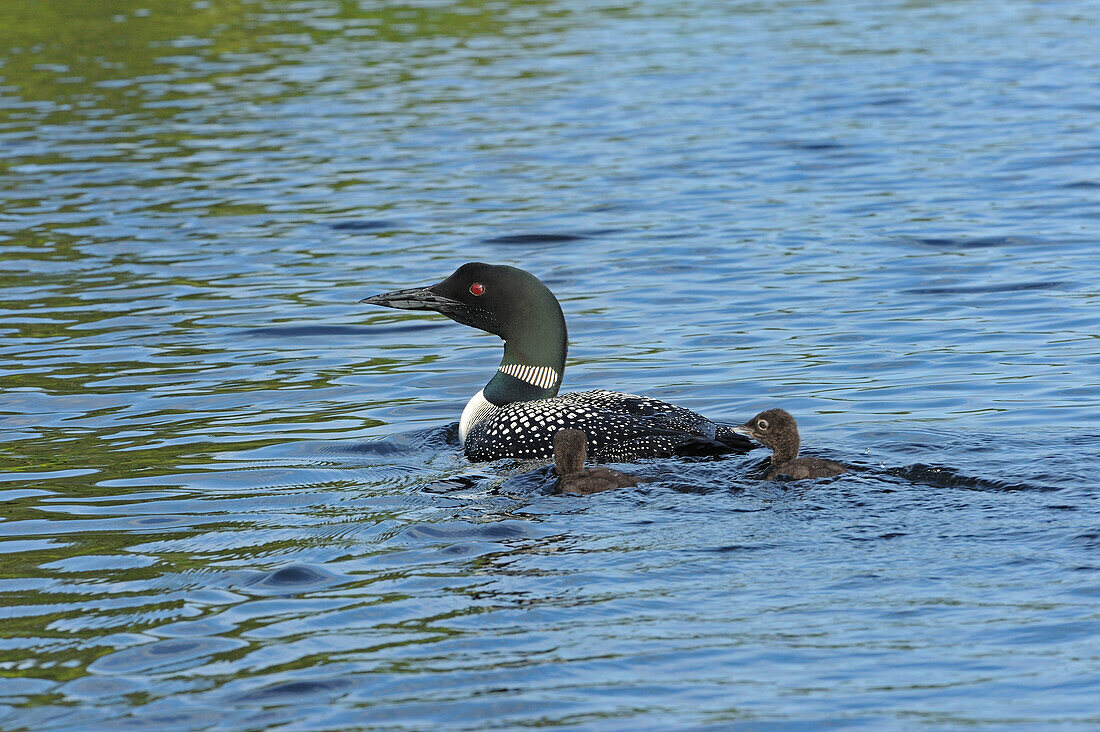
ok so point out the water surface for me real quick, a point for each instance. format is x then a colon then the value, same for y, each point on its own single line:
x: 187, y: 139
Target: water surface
x: 233, y: 497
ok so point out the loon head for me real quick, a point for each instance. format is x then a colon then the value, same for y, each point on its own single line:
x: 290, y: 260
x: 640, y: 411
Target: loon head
x: 507, y: 302
x: 498, y: 299
x: 774, y: 428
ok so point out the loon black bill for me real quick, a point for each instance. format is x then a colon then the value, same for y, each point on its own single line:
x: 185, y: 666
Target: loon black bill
x: 415, y: 298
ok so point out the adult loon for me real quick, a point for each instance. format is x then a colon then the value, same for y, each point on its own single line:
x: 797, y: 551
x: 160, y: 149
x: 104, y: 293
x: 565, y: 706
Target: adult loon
x: 518, y: 412
x: 776, y: 428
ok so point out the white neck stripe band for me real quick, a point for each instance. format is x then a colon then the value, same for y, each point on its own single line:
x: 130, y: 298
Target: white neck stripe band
x: 543, y: 377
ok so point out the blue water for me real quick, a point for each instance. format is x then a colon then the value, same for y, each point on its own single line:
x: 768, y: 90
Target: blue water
x: 233, y: 497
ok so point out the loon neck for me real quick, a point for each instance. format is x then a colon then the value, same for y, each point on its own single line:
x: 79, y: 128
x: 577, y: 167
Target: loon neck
x: 531, y: 369
x: 786, y: 449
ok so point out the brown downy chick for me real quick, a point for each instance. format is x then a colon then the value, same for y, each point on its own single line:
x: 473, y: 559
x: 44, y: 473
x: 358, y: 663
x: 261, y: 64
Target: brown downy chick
x: 570, y: 450
x: 776, y: 428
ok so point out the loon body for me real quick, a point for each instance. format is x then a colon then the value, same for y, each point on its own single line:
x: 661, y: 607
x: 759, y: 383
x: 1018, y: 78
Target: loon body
x: 776, y: 428
x: 518, y: 412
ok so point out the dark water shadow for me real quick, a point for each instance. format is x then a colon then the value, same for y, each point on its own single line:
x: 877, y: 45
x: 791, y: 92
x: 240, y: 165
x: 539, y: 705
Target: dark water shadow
x: 534, y: 239
x: 980, y: 289
x: 985, y: 242
x: 810, y: 145
x: 310, y: 331
x: 540, y: 481
x: 429, y: 439
x: 165, y: 655
x: 290, y: 580
x: 365, y: 225
x: 290, y: 690
x: 939, y: 476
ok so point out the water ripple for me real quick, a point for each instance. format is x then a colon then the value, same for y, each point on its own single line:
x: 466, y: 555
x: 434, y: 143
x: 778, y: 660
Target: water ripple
x: 234, y: 497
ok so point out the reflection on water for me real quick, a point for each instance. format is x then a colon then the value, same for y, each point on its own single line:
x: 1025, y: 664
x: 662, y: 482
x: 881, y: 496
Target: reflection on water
x: 234, y: 498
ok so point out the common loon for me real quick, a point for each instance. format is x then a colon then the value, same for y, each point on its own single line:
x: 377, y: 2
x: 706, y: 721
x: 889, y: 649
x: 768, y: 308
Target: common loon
x: 519, y: 410
x: 776, y: 428
x: 569, y: 453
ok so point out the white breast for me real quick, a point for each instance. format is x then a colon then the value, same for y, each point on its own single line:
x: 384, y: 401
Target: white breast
x: 476, y: 410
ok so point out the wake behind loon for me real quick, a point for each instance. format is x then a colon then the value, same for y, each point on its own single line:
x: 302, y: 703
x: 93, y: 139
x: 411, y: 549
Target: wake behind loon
x: 518, y: 412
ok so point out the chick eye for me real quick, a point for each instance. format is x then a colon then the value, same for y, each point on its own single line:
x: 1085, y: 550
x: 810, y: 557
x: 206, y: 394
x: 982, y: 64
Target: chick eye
x: 762, y: 424
x: 477, y: 289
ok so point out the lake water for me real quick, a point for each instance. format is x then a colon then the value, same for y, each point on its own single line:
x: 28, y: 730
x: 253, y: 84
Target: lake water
x: 233, y: 497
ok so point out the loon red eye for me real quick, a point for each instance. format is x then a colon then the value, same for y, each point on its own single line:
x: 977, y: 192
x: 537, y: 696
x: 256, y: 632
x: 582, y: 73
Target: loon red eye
x: 477, y: 289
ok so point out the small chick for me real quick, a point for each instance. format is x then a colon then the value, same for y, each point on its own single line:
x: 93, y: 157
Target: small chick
x: 570, y: 450
x: 776, y: 428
